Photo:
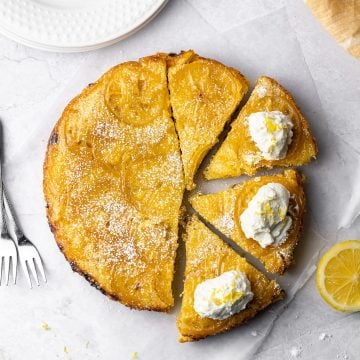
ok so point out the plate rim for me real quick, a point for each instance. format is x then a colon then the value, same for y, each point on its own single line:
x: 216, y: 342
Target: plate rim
x: 112, y: 39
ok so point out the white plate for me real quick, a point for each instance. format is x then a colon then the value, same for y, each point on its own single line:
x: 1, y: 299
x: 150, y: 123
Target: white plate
x: 74, y: 25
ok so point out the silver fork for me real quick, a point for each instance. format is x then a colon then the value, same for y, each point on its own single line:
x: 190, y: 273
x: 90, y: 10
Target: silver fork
x: 10, y: 231
x: 29, y: 255
x: 8, y: 252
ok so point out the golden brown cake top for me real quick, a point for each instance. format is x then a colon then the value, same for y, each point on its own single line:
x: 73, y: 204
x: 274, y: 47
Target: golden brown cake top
x: 113, y: 184
x: 204, y: 94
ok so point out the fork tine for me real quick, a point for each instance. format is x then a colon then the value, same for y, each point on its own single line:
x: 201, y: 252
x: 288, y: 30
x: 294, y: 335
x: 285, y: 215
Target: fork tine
x: 6, y: 269
x: 14, y: 260
x: 31, y: 266
x: 26, y: 272
x: 39, y: 265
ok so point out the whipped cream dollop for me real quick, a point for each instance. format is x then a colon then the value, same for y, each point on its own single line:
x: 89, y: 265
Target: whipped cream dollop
x: 223, y: 296
x: 272, y: 133
x: 265, y: 219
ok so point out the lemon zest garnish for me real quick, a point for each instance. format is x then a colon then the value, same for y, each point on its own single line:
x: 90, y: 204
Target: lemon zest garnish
x: 282, y: 213
x: 268, y: 209
x: 45, y: 326
x: 219, y: 298
x: 233, y: 296
x: 265, y: 210
x: 270, y: 125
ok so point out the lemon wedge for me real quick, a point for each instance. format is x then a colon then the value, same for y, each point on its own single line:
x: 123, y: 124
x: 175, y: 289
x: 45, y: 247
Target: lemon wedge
x: 338, y: 276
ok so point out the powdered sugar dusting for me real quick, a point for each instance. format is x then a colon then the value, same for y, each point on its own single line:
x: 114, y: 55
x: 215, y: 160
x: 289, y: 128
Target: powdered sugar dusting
x: 124, y: 237
x: 252, y: 159
x: 202, y: 254
x: 149, y: 135
x: 174, y: 168
x: 117, y: 185
x: 261, y: 91
x: 226, y: 224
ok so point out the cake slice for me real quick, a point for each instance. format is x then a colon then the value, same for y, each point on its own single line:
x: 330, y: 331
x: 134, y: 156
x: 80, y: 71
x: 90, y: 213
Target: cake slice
x: 269, y: 131
x: 224, y: 210
x: 203, y: 94
x: 113, y: 184
x: 208, y: 257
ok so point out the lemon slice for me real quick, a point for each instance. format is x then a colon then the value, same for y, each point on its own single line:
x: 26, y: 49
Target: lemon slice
x: 338, y: 276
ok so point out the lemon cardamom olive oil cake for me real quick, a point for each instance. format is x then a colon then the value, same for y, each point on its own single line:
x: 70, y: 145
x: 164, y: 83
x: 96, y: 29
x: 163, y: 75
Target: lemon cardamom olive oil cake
x: 124, y: 152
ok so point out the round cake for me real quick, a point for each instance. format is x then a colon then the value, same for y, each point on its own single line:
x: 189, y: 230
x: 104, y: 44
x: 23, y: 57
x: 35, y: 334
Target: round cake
x: 120, y: 158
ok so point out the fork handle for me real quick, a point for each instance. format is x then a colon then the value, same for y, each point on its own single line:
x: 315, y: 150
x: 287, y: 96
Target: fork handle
x: 2, y: 212
x: 12, y: 226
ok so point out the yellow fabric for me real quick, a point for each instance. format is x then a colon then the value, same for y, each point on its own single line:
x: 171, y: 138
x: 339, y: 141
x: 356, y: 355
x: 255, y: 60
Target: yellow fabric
x: 341, y: 18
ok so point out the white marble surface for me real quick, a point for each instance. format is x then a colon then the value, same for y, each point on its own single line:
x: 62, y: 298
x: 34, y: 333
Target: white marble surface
x: 31, y: 80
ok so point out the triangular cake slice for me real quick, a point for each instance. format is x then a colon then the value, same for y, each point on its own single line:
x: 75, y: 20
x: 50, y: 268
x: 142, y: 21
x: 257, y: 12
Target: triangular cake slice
x: 203, y: 94
x: 246, y: 150
x: 223, y: 211
x: 208, y: 257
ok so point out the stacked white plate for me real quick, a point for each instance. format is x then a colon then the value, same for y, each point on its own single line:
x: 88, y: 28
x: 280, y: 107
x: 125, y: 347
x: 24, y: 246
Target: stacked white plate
x: 74, y: 25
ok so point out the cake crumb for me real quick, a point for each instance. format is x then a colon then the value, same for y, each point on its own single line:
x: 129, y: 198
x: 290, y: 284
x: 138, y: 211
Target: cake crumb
x: 295, y: 352
x: 343, y: 356
x: 134, y: 356
x: 45, y: 326
x: 324, y: 336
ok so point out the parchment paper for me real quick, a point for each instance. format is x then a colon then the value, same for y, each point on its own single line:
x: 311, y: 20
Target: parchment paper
x: 264, y: 46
